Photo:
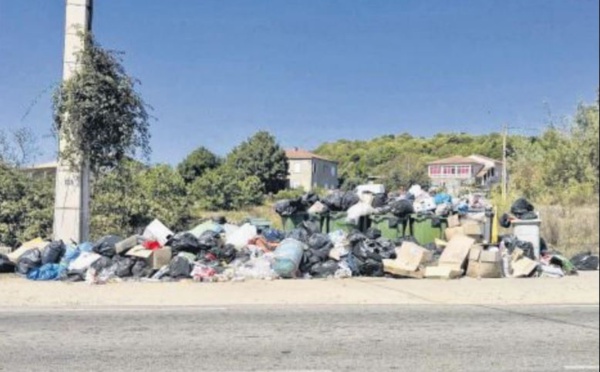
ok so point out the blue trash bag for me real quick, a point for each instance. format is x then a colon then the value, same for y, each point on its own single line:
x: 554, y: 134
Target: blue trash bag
x: 273, y: 236
x: 47, y: 272
x: 71, y: 254
x: 442, y: 198
x: 85, y: 247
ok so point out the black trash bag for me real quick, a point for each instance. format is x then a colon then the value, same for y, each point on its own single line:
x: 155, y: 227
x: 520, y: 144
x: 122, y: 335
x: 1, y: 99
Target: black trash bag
x: 521, y: 207
x: 367, y: 249
x: 209, y: 240
x: 309, y: 259
x: 585, y: 261
x: 74, y: 276
x: 318, y: 241
x: 123, y: 266
x: 356, y: 237
x: 405, y: 239
x: 184, y: 242
x: 334, y: 201
x: 308, y: 200
x: 324, y: 269
x: 387, y: 249
x: 53, y: 252
x: 5, y: 265
x: 141, y: 269
x: 369, y: 266
x: 299, y: 234
x: 106, y: 246
x: 373, y: 233
x: 225, y: 253
x: 379, y: 200
x: 402, y: 208
x: 349, y: 200
x: 221, y: 220
x: 529, y: 216
x: 286, y: 208
x: 505, y: 221
x: 436, y: 222
x: 180, y: 268
x: 311, y: 227
x: 527, y: 247
x: 101, y: 264
x: 30, y: 260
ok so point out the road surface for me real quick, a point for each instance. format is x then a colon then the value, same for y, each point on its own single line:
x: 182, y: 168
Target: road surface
x: 313, y: 338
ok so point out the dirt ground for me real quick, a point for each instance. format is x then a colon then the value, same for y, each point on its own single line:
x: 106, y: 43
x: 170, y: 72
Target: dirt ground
x: 583, y: 289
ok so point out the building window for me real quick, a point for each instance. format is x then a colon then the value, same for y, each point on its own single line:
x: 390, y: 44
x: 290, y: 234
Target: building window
x: 464, y: 170
x: 435, y: 170
x: 449, y: 170
x: 314, y: 168
x: 297, y: 168
x: 333, y: 172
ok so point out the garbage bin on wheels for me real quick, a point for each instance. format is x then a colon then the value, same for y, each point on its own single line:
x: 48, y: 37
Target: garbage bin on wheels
x: 423, y: 230
x: 391, y: 227
x: 294, y: 221
x: 339, y: 221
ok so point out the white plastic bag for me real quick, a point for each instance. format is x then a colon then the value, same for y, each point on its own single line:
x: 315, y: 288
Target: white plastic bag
x: 240, y: 238
x: 157, y: 231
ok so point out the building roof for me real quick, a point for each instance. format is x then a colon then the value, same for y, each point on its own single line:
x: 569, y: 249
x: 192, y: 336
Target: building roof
x: 473, y: 159
x: 454, y: 160
x: 299, y: 154
x: 49, y: 165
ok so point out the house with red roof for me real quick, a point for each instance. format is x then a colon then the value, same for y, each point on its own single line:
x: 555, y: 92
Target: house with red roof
x: 309, y: 171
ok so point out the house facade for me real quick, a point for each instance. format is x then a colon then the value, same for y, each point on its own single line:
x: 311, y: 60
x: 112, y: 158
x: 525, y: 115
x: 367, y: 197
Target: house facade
x: 456, y: 172
x: 47, y: 170
x: 310, y: 171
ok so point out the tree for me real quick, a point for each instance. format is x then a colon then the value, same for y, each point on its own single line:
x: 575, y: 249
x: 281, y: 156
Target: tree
x: 225, y: 188
x: 25, y: 207
x: 18, y: 147
x: 99, y: 113
x: 262, y: 157
x: 126, y: 199
x: 197, y: 163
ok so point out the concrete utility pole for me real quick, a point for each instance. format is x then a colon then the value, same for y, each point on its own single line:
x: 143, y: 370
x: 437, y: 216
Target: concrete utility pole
x: 71, y: 210
x: 504, y: 165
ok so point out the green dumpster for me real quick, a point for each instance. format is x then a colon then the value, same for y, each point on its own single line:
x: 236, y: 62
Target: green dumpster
x: 383, y: 222
x: 294, y: 221
x: 259, y: 223
x: 338, y: 221
x: 424, y: 232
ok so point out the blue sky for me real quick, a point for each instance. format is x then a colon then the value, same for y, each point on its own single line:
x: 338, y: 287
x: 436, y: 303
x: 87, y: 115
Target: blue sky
x: 311, y: 71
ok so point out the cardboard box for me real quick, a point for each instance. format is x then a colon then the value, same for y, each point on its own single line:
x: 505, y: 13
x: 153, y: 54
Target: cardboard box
x: 484, y: 264
x: 155, y: 259
x: 454, y: 221
x: 524, y: 267
x: 453, y: 259
x: 38, y: 243
x: 455, y: 231
x: 473, y: 230
x: 442, y: 272
x: 395, y: 268
x: 410, y: 259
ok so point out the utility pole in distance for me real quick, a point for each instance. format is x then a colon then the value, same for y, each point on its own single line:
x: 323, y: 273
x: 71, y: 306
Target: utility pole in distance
x: 504, y: 165
x: 71, y: 209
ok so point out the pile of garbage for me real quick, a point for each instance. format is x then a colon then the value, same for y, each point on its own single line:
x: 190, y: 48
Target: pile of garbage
x: 217, y: 251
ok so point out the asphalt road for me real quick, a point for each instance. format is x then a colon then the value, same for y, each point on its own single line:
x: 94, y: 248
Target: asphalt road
x: 339, y: 338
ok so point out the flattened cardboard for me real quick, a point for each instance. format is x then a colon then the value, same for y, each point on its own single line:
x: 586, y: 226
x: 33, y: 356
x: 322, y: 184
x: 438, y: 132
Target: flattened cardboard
x: 453, y: 221
x: 455, y: 231
x: 524, y: 267
x: 395, y: 268
x: 457, y: 251
x: 37, y: 243
x: 473, y: 229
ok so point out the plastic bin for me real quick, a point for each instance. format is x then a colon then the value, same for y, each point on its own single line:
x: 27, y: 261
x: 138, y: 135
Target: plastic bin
x: 383, y: 222
x: 294, y: 221
x: 422, y: 230
x: 338, y: 221
x: 529, y: 231
x: 259, y: 223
